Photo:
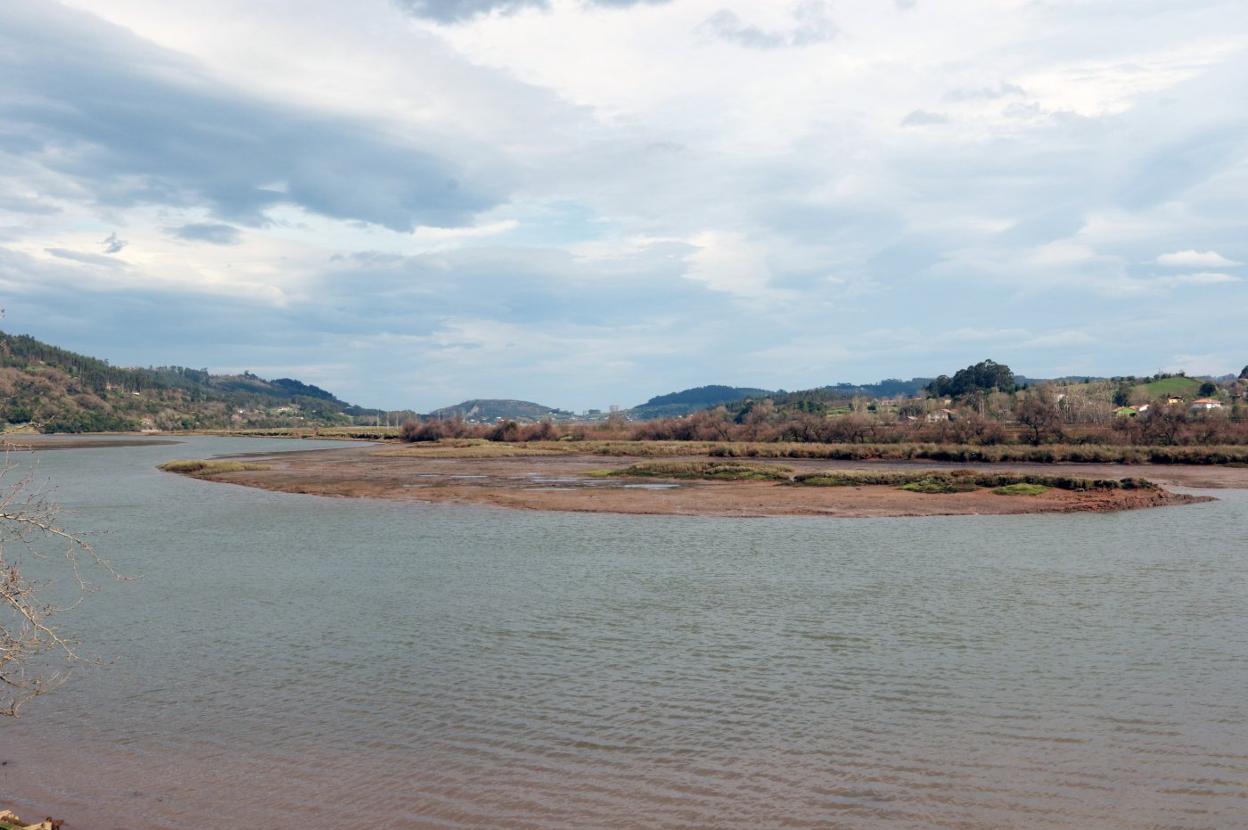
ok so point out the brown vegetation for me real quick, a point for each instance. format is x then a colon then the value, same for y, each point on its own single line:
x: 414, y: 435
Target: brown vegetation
x: 553, y: 476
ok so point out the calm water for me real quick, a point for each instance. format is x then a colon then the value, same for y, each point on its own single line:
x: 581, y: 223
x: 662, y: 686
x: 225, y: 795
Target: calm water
x: 282, y: 658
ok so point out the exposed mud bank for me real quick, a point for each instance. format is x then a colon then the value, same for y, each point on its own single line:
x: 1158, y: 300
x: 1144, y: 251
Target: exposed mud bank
x: 574, y: 483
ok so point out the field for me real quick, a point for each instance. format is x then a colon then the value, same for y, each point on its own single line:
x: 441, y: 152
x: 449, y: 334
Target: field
x: 1178, y: 386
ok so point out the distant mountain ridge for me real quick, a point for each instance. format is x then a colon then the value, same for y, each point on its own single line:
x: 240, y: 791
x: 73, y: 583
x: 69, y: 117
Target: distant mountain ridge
x: 56, y: 390
x: 490, y: 410
x: 692, y: 400
x: 698, y: 398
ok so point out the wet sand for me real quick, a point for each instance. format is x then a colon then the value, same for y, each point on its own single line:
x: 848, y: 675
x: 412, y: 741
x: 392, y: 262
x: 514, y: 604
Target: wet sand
x: 561, y: 482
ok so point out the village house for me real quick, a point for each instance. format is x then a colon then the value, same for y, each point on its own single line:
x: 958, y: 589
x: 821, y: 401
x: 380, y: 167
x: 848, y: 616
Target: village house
x: 1205, y: 405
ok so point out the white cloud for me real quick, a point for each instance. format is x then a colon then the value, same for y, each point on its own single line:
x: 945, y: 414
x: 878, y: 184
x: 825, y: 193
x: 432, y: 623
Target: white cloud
x: 1195, y: 259
x: 1200, y: 278
x: 728, y: 262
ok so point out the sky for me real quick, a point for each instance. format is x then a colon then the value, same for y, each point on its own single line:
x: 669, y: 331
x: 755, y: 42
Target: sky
x: 590, y: 202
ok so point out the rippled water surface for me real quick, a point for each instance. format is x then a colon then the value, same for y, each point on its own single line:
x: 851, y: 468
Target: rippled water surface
x: 291, y: 660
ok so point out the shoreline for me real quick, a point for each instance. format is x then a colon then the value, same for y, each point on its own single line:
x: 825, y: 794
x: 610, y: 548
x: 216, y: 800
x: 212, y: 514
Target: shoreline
x: 518, y: 477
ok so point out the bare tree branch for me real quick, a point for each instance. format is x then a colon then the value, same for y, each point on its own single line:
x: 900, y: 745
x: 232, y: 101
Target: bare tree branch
x: 35, y: 657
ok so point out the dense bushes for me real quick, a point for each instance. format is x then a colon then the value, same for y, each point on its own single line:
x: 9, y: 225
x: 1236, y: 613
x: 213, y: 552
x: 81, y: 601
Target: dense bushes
x: 1173, y: 438
x: 87, y: 421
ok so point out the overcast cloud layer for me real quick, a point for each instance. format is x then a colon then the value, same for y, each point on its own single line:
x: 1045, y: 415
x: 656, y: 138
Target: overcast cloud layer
x: 411, y: 202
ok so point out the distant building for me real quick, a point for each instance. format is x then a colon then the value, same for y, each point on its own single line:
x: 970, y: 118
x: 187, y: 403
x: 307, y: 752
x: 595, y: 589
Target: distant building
x: 940, y: 415
x: 1205, y: 405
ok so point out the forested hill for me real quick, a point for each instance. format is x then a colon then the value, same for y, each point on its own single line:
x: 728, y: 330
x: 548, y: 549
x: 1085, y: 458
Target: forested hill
x: 56, y: 390
x: 691, y: 400
x: 490, y: 410
x: 741, y: 399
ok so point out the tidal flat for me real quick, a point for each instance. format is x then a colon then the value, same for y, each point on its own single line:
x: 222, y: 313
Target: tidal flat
x: 560, y: 479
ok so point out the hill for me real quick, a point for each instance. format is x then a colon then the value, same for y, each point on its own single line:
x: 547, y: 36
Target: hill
x: 1177, y: 385
x: 832, y: 399
x: 490, y: 410
x: 50, y: 389
x: 691, y: 400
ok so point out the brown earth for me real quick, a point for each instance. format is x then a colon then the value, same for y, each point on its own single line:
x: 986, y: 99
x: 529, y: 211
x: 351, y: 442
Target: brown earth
x: 563, y: 482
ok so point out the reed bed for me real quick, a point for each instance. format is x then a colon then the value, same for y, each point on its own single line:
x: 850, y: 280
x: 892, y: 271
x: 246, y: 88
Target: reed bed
x: 945, y: 481
x: 705, y: 470
x: 200, y: 467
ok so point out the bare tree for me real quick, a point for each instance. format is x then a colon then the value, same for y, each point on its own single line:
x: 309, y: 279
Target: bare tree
x: 35, y: 657
x: 1037, y: 411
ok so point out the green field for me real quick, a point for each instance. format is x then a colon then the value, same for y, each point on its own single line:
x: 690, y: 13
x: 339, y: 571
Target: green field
x: 1179, y: 386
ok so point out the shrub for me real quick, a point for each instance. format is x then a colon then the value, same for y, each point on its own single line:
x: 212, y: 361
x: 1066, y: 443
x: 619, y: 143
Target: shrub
x: 939, y: 484
x: 712, y: 470
x: 1022, y: 488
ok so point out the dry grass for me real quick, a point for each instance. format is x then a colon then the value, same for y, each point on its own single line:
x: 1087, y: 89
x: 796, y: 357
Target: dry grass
x: 705, y: 470
x: 1021, y: 489
x: 1000, y: 453
x: 199, y: 467
x: 959, y: 481
x: 477, y: 448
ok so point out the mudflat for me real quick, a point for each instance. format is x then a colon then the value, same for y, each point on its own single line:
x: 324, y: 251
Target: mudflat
x: 517, y: 476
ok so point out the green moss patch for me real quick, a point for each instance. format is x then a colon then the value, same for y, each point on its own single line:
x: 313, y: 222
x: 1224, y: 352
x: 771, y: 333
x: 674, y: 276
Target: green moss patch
x: 200, y: 467
x: 938, y: 484
x: 706, y: 470
x: 1022, y: 488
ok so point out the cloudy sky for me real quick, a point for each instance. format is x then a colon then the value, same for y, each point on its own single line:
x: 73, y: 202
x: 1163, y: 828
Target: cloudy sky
x: 587, y: 202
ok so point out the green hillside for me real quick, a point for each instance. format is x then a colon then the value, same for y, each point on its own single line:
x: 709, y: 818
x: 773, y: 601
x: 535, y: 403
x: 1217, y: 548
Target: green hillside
x: 489, y: 410
x: 49, y: 389
x: 1178, y: 385
x: 691, y: 400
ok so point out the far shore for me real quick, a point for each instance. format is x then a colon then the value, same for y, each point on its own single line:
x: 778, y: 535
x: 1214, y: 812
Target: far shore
x: 75, y: 441
x: 526, y: 477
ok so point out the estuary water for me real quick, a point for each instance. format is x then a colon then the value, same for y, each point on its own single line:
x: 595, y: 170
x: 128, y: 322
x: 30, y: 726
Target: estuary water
x: 293, y: 661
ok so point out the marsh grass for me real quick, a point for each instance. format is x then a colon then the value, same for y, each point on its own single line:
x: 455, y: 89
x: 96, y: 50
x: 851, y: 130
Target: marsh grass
x: 962, y: 481
x: 939, y: 485
x: 1022, y: 488
x: 704, y: 470
x: 200, y: 467
x: 902, y: 451
x: 474, y: 448
x: 994, y: 454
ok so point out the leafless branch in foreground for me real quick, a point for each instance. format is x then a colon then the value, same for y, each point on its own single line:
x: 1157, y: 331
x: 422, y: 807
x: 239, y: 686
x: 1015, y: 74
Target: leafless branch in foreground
x: 35, y: 657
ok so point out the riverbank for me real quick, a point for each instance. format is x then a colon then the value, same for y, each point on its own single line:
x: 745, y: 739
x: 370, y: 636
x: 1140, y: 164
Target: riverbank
x: 33, y: 442
x: 537, y: 478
